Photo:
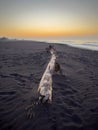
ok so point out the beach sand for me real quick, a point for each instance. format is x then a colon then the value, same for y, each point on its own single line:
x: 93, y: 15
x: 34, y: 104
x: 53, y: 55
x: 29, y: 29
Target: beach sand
x: 75, y: 92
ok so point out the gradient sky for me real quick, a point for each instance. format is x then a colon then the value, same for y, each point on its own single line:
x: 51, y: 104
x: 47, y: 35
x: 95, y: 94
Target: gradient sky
x: 48, y: 18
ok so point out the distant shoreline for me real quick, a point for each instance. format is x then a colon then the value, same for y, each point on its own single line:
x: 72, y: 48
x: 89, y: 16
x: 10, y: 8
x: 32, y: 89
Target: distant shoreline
x: 87, y: 45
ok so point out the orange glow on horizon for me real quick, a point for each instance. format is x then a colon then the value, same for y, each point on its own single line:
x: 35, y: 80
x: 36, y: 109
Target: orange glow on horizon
x: 43, y: 32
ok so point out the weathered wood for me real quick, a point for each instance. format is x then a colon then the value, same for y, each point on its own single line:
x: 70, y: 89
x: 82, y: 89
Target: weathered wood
x: 45, y: 85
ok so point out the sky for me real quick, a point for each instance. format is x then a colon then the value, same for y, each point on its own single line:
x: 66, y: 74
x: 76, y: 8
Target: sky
x: 49, y: 18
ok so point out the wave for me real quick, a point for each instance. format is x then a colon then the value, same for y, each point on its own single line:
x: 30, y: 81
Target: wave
x: 79, y: 44
x: 90, y: 46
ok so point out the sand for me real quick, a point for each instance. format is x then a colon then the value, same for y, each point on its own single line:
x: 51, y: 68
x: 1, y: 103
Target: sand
x: 75, y: 92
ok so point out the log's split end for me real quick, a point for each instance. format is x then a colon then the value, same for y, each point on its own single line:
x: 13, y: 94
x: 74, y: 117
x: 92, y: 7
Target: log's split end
x: 45, y: 85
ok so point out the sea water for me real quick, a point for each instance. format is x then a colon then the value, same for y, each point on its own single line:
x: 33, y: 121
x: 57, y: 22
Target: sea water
x: 92, y: 45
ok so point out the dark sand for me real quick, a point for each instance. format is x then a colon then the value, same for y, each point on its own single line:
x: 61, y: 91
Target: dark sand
x: 75, y: 93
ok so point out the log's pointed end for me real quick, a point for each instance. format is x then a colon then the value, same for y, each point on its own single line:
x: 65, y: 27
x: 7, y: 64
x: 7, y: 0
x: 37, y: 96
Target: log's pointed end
x: 50, y: 49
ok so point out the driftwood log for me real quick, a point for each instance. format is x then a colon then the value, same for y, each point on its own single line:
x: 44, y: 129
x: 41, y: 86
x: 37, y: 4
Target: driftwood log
x: 45, y: 85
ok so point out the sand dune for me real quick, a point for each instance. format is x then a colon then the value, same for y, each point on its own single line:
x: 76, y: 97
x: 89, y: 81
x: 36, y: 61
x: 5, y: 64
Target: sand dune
x: 75, y: 93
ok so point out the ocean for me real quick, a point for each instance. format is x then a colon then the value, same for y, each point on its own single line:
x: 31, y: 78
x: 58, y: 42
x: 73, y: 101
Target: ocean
x: 84, y: 44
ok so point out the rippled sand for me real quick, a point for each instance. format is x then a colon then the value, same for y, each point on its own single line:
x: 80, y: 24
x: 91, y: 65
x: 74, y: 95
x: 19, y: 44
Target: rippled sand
x: 75, y: 92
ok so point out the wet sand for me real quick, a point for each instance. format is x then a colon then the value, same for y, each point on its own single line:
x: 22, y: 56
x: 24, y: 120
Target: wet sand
x: 75, y: 92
